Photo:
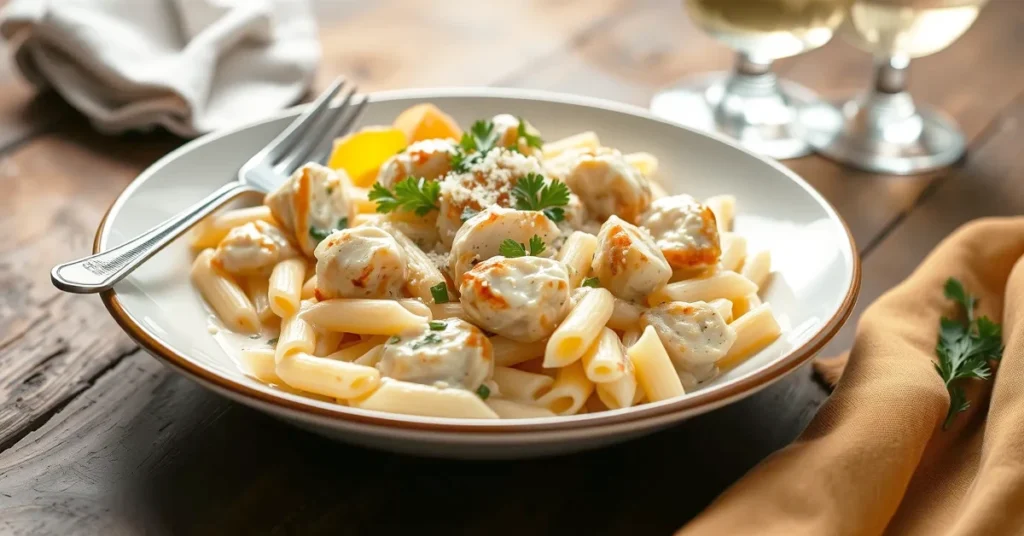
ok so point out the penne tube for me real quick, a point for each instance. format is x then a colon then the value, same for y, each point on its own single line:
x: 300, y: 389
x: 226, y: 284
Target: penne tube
x: 742, y: 306
x: 259, y: 363
x: 423, y: 274
x: 654, y: 371
x: 757, y: 268
x: 520, y: 385
x: 723, y: 284
x: 327, y: 377
x: 326, y: 342
x: 580, y: 328
x: 583, y: 140
x: 417, y: 308
x: 297, y: 336
x: 645, y: 163
x: 620, y: 393
x: 724, y: 308
x: 371, y: 357
x: 225, y: 297
x: 630, y: 336
x: 285, y: 287
x: 569, y: 392
x: 395, y: 396
x: 577, y: 254
x: 625, y: 315
x: 360, y: 200
x: 211, y: 230
x: 309, y: 288
x: 358, y: 349
x: 510, y: 409
x: 362, y: 316
x: 605, y: 361
x: 508, y: 352
x: 724, y: 209
x: 754, y: 332
x: 734, y: 251
x: 441, y: 311
x: 256, y: 288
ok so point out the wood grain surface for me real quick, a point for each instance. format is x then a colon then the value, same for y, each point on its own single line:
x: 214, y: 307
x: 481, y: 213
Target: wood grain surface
x: 96, y: 437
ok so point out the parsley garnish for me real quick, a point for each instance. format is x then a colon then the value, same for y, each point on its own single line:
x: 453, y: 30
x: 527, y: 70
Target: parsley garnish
x: 436, y: 325
x: 272, y: 342
x: 591, y: 282
x: 394, y: 339
x: 468, y: 213
x: 965, y: 348
x: 319, y: 234
x: 410, y: 195
x: 440, y: 292
x: 530, y: 139
x: 532, y: 192
x: 480, y: 138
x: 512, y: 249
x: 428, y: 339
x: 483, y: 392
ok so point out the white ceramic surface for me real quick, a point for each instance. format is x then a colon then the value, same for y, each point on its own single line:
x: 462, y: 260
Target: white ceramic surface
x: 812, y: 290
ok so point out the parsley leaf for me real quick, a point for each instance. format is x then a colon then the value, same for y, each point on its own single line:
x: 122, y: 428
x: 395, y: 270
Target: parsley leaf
x: 483, y: 392
x: 591, y: 282
x: 480, y: 138
x: 426, y: 340
x: 468, y: 213
x: 530, y: 139
x: 410, y: 195
x: 440, y: 293
x: 512, y: 249
x: 965, y: 348
x: 532, y: 192
x: 437, y: 325
x: 272, y: 342
x: 394, y: 339
x: 319, y: 234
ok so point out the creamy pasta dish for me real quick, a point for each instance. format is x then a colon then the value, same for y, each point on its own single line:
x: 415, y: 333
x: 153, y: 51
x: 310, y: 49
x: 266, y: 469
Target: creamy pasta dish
x: 485, y: 274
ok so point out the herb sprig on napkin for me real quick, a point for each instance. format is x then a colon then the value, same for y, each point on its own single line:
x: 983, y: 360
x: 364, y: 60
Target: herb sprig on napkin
x: 967, y: 346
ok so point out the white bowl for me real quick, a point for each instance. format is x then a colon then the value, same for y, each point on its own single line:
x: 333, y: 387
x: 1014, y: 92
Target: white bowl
x: 812, y: 290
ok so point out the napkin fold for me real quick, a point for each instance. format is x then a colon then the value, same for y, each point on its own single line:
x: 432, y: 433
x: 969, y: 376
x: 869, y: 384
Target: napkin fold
x: 875, y: 460
x: 191, y: 66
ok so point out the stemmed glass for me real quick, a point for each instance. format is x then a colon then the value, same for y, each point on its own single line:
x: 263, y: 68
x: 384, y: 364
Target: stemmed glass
x: 883, y: 130
x: 750, y: 104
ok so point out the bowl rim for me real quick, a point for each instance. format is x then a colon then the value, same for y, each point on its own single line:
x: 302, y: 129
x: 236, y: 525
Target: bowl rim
x: 701, y: 400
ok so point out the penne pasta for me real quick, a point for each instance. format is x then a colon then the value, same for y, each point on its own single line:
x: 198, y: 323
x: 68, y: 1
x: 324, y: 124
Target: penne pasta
x: 285, y: 287
x: 225, y: 297
x: 583, y: 140
x: 259, y: 363
x: 362, y: 316
x: 297, y: 336
x: 569, y: 391
x: 734, y: 251
x: 724, y: 209
x: 359, y: 197
x: 724, y: 284
x: 417, y: 308
x: 256, y: 288
x: 309, y: 288
x: 754, y: 332
x: 371, y: 357
x: 757, y: 268
x: 510, y: 409
x: 605, y: 361
x: 520, y: 385
x: 423, y: 274
x: 326, y: 342
x: 654, y: 370
x: 356, y: 350
x: 724, y: 308
x: 508, y: 352
x: 577, y: 254
x: 210, y: 231
x: 625, y: 315
x: 580, y: 328
x: 620, y: 393
x: 630, y: 336
x: 327, y: 377
x: 442, y: 311
x: 408, y: 398
x: 645, y: 163
x: 741, y: 306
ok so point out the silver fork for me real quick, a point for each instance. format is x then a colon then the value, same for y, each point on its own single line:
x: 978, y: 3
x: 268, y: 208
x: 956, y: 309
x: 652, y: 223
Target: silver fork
x: 306, y: 139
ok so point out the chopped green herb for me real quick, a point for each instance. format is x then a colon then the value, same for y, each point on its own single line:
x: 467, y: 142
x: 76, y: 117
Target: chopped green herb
x: 591, y: 282
x: 512, y: 249
x: 483, y: 392
x: 532, y: 192
x: 965, y: 348
x: 531, y: 140
x: 402, y: 150
x: 272, y: 342
x: 436, y: 325
x: 468, y: 213
x: 394, y: 339
x: 318, y: 234
x: 342, y: 224
x: 330, y: 190
x: 480, y: 138
x: 426, y: 340
x: 410, y: 195
x: 440, y: 292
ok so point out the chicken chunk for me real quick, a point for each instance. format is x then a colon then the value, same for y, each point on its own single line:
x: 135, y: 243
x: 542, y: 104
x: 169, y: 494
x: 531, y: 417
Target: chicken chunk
x: 608, y: 184
x: 507, y: 127
x: 253, y: 248
x: 522, y: 298
x: 488, y: 182
x: 448, y: 353
x: 311, y: 204
x: 362, y: 262
x: 628, y: 263
x: 429, y: 159
x: 694, y: 334
x: 478, y: 239
x: 684, y: 230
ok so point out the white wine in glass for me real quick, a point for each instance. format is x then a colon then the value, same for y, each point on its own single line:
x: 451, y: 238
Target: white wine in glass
x: 750, y: 104
x: 884, y: 131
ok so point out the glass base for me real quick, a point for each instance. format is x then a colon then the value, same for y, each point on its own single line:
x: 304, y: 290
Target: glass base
x: 759, y: 112
x: 883, y: 133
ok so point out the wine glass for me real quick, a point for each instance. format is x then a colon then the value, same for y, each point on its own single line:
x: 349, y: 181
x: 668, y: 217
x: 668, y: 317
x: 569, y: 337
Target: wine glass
x: 750, y: 104
x: 883, y: 130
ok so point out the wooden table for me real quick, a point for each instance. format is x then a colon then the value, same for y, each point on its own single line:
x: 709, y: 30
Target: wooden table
x: 98, y: 437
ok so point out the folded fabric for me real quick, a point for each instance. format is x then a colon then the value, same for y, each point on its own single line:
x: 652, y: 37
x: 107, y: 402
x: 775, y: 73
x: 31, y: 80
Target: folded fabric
x: 192, y: 66
x: 875, y: 460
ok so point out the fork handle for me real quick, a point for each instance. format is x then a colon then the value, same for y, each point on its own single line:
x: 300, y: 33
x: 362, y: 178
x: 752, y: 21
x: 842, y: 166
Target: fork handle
x: 101, y: 271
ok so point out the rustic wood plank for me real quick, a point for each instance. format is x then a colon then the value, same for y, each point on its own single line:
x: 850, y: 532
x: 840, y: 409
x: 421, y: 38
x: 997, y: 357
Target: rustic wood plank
x: 988, y: 184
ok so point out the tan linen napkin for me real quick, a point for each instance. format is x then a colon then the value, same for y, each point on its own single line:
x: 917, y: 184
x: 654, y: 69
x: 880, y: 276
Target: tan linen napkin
x: 875, y: 459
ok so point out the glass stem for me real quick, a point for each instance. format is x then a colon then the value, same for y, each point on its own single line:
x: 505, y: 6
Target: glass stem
x: 891, y: 74
x: 746, y: 65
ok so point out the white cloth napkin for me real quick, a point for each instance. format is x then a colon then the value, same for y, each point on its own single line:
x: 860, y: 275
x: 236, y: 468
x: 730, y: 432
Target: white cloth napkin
x: 192, y: 66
